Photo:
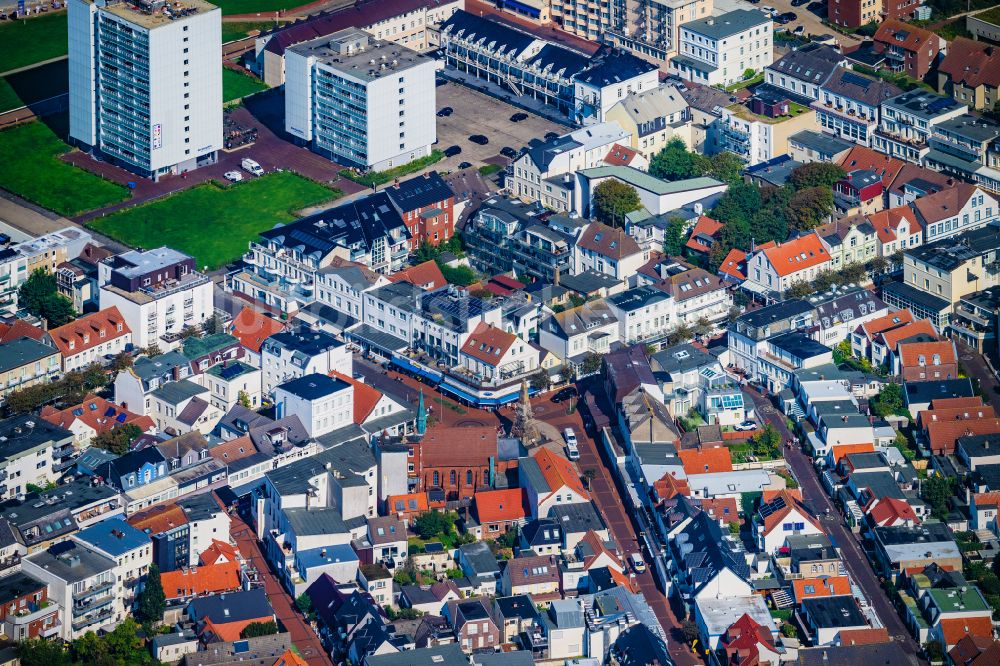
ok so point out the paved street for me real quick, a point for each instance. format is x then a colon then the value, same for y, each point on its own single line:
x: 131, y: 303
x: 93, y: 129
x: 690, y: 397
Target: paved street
x: 975, y: 366
x: 303, y: 636
x: 854, y: 558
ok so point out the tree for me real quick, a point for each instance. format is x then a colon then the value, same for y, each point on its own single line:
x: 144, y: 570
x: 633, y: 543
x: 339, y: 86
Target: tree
x: 888, y: 401
x: 432, y: 523
x: 689, y: 631
x: 244, y: 399
x: 591, y: 363
x: 809, y: 208
x: 540, y: 381
x: 682, y: 333
x: 40, y: 652
x: 509, y: 538
x: 676, y: 162
x: 799, y: 289
x: 121, y: 647
x: 673, y: 237
x: 703, y: 326
x: 589, y: 475
x: 727, y: 167
x: 935, y: 653
x: 153, y: 602
x: 212, y: 325
x: 739, y: 203
x: 122, y: 361
x: 816, y: 174
x: 118, y: 440
x: 255, y: 629
x: 304, y: 603
x: 40, y: 296
x: 613, y: 200
x: 877, y: 266
x: 936, y: 491
x: 789, y: 630
x: 462, y: 276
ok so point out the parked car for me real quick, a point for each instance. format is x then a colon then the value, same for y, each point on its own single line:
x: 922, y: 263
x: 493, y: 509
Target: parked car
x: 451, y: 151
x: 569, y: 436
x: 446, y: 111
x: 233, y: 176
x: 551, y: 135
x: 479, y: 138
x: 465, y: 165
x: 572, y: 452
x: 252, y: 166
x: 638, y: 564
x: 799, y: 3
x: 507, y: 151
x: 799, y: 30
x: 565, y: 394
x: 518, y: 117
x: 770, y: 11
x: 745, y: 426
x: 787, y: 17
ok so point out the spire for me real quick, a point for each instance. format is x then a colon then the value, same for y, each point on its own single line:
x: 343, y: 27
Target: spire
x: 421, y: 415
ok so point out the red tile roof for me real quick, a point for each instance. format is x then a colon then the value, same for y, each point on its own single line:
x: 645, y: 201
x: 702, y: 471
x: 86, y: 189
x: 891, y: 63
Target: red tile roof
x: 233, y: 450
x: 219, y: 551
x: 706, y: 461
x: 607, y: 241
x: 949, y: 403
x: 99, y: 414
x: 862, y: 157
x: 906, y: 36
x: 412, y: 503
x: 158, y: 519
x: 889, y: 511
x: 911, y: 353
x: 620, y: 155
x: 230, y: 631
x: 892, y: 337
x: 980, y: 411
x: 735, y: 265
x: 496, y: 506
x: 826, y: 586
x: 559, y: 472
x: 887, y: 322
x: 451, y: 446
x: 790, y: 501
x: 971, y: 62
x: 427, y: 275
x: 975, y: 651
x: 840, y: 450
x: 796, y: 255
x: 488, y: 343
x: 886, y: 222
x: 90, y: 331
x: 864, y: 636
x: 942, y: 435
x: 597, y: 548
x: 290, y: 658
x: 365, y: 397
x: 944, y: 204
x: 196, y: 581
x: 954, y: 629
x: 721, y: 508
x: 669, y: 486
x: 252, y: 328
x: 20, y: 329
x: 707, y: 227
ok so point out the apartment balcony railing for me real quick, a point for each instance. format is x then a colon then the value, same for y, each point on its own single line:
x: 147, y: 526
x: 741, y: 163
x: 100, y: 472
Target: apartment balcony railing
x: 93, y: 590
x: 90, y: 621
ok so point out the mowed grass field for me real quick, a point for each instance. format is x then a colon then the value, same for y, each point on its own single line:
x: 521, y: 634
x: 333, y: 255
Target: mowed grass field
x: 231, y: 31
x: 213, y: 223
x: 236, y: 85
x: 28, y: 41
x: 230, y: 7
x: 30, y: 168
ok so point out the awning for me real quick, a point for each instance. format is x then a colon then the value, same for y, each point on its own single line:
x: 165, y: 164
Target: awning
x: 405, y: 364
x: 371, y: 337
x: 521, y: 7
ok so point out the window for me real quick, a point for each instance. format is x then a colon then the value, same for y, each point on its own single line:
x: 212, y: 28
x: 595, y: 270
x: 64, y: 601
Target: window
x: 452, y: 477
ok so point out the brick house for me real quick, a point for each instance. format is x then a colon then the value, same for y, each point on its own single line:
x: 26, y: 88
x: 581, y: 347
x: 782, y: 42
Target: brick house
x: 427, y: 205
x: 925, y: 361
x: 473, y: 624
x: 25, y: 609
x: 458, y: 460
x: 907, y: 48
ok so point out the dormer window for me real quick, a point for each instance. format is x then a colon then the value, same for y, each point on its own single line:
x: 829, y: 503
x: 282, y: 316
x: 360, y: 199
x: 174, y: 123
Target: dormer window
x: 72, y: 344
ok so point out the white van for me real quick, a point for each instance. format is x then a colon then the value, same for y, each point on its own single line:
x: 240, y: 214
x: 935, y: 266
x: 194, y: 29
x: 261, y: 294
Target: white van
x: 252, y: 166
x: 638, y: 565
x: 572, y: 447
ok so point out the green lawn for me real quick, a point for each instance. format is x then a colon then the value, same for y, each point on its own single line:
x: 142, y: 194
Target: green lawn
x: 233, y: 31
x: 214, y: 223
x: 256, y: 6
x: 30, y: 168
x: 381, y: 177
x: 32, y: 40
x: 236, y: 85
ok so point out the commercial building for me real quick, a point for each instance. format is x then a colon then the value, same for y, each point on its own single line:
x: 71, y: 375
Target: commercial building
x: 145, y: 86
x: 721, y: 49
x: 359, y: 101
x: 158, y: 292
x: 651, y: 28
x: 907, y: 121
x: 849, y: 104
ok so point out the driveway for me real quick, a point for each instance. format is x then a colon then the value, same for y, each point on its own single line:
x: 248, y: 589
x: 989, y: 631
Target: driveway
x: 303, y: 636
x: 854, y: 558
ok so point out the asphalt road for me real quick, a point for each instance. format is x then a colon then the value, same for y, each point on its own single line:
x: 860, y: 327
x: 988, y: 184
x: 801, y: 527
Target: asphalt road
x: 975, y: 366
x: 854, y: 558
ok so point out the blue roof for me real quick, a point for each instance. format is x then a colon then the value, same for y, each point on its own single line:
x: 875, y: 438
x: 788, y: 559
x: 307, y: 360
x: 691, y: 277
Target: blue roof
x: 314, y: 386
x: 318, y: 557
x: 114, y: 537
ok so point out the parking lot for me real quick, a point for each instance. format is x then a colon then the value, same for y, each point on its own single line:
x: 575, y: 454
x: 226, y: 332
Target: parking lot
x: 810, y: 16
x: 476, y: 113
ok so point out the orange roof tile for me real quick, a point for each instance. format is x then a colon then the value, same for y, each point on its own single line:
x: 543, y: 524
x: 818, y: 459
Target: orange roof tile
x: 620, y: 155
x: 791, y: 501
x: 669, y: 486
x: 494, y: 506
x: 910, y: 353
x: 892, y: 337
x: 411, y: 503
x: 768, y: 495
x: 954, y: 629
x: 230, y: 631
x: 290, y: 658
x: 946, y: 403
x: 365, y: 397
x: 828, y: 586
x: 559, y: 472
x: 945, y: 204
x: 804, y: 252
x: 955, y: 414
x: 20, y: 329
x: 597, y: 548
x: 209, y: 579
x: 841, y: 450
x: 721, y: 508
x: 972, y: 63
x: 735, y: 265
x: 621, y: 579
x: 488, y: 343
x: 251, y: 328
x: 976, y: 651
x: 705, y: 226
x: 90, y: 331
x: 887, y: 322
x: 862, y: 157
x: 219, y: 551
x: 886, y: 222
x: 991, y: 498
x: 864, y: 636
x: 158, y: 519
x: 890, y: 510
x: 427, y: 275
x: 706, y: 461
x: 98, y: 413
x: 942, y: 435
x: 455, y: 446
x: 233, y: 450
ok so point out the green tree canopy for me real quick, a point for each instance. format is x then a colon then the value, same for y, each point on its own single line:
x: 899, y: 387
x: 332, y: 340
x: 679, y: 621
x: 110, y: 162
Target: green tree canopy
x: 936, y: 490
x: 889, y: 400
x: 40, y: 652
x: 816, y: 174
x: 809, y: 208
x: 433, y: 523
x: 675, y: 162
x: 673, y: 243
x: 118, y: 439
x: 255, y: 629
x: 153, y: 601
x: 613, y: 200
x: 727, y: 167
x: 40, y: 296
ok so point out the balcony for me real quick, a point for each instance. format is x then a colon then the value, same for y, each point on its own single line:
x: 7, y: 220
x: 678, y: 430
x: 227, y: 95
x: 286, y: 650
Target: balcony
x: 32, y: 612
x: 103, y: 616
x: 90, y: 605
x: 93, y: 590
x: 51, y: 630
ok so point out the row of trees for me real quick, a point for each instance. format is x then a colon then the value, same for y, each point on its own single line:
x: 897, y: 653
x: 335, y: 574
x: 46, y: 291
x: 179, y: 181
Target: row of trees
x: 70, y: 390
x: 676, y: 162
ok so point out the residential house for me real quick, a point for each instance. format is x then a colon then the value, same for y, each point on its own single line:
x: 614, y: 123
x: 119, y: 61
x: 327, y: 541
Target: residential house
x: 970, y: 74
x: 721, y: 49
x: 919, y: 361
x: 25, y: 609
x: 493, y: 355
x: 843, y: 311
x: 759, y: 130
x: 967, y: 147
x: 804, y: 70
x: 708, y: 564
x: 183, y: 406
x: 131, y: 550
x: 907, y: 48
x: 498, y: 511
x: 642, y: 313
x: 859, y: 193
x: 902, y: 548
x: 223, y: 617
x: 473, y: 624
x: 293, y: 354
x: 575, y: 333
x: 714, y: 616
x: 748, y: 335
x: 812, y: 146
x: 849, y: 105
x: 25, y: 362
x: 91, y: 338
x: 609, y: 251
x: 427, y: 205
x: 907, y: 121
x: 549, y: 479
x: 775, y: 269
x: 782, y: 514
x: 251, y: 328
x: 748, y: 640
x: 826, y: 617
x: 652, y: 118
x: 94, y: 416
x: 535, y: 575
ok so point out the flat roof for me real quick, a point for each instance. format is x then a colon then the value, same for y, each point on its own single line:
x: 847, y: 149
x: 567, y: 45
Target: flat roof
x: 143, y: 14
x: 373, y: 60
x: 728, y: 24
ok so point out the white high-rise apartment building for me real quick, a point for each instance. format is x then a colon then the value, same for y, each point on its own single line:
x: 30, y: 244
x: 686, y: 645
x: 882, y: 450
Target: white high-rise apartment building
x: 360, y: 101
x: 145, y: 82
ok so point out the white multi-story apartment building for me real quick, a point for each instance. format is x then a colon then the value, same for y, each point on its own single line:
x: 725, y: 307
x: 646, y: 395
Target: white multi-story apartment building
x: 145, y: 86
x: 650, y: 27
x: 719, y: 49
x: 848, y: 105
x: 29, y: 447
x: 292, y: 354
x: 359, y: 101
x: 907, y: 122
x: 322, y: 403
x: 46, y: 252
x: 607, y: 80
x: 341, y: 287
x: 642, y: 313
x: 804, y: 70
x: 130, y: 548
x: 158, y: 292
x: 562, y: 156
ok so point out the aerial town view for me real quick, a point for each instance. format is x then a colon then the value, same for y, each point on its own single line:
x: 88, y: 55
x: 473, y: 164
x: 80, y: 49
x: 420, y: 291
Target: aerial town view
x: 500, y: 333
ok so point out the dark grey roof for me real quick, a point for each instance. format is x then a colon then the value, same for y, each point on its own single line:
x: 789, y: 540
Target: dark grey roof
x: 314, y: 386
x: 442, y: 655
x: 612, y: 67
x: 199, y: 507
x: 728, y: 24
x: 821, y: 142
x: 852, y: 655
x: 17, y: 585
x: 349, y: 459
x: 979, y: 446
x: 380, y: 340
x: 315, y: 521
x: 680, y: 358
x: 701, y: 551
x: 20, y: 352
x: 482, y: 30
x: 480, y: 558
x: 839, y: 611
x: 232, y: 607
x: 637, y: 298
x: 910, y: 294
x: 773, y: 313
x: 419, y: 192
x: 920, y: 392
x: 903, y: 535
x: 639, y: 646
x: 881, y: 484
x: 845, y: 307
x: 799, y: 345
x: 972, y: 127
x: 813, y: 63
x: 588, y: 282
x: 519, y: 605
x: 924, y: 104
x: 558, y: 59
x: 578, y: 517
x: 860, y: 88
x: 515, y: 658
x: 133, y: 461
x: 72, y: 562
x: 24, y: 432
